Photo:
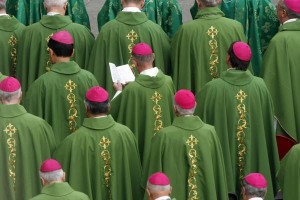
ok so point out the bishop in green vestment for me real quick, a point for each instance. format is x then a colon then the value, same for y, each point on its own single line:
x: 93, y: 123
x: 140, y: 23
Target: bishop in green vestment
x: 116, y: 39
x: 166, y: 13
x: 57, y: 96
x: 33, y: 53
x: 101, y: 158
x: 10, y: 34
x: 31, y: 11
x: 189, y: 152
x: 259, y: 20
x: 25, y: 141
x: 199, y: 47
x: 280, y: 72
x: 240, y: 107
x: 145, y: 105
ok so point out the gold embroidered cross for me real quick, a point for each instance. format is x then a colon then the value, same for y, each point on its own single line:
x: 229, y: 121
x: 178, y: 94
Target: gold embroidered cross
x: 12, y: 40
x: 10, y: 130
x: 132, y: 36
x: 70, y: 86
x: 104, y: 142
x: 156, y: 97
x: 192, y: 141
x: 212, y: 32
x: 241, y: 95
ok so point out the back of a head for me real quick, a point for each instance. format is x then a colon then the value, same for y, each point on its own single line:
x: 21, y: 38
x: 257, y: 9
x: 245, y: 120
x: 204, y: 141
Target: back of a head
x: 255, y: 185
x: 142, y: 53
x: 2, y: 5
x: 239, y: 55
x: 55, y: 3
x: 97, y: 101
x: 210, y: 3
x: 133, y: 1
x: 158, y: 185
x: 10, y: 91
x: 292, y: 8
x: 185, y: 102
x: 51, y: 171
x: 62, y: 44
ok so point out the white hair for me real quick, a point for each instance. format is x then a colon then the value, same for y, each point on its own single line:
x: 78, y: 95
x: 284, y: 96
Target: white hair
x: 2, y: 5
x: 49, y: 177
x: 182, y: 111
x: 158, y: 188
x: 8, y: 96
x: 254, y: 192
x: 54, y: 3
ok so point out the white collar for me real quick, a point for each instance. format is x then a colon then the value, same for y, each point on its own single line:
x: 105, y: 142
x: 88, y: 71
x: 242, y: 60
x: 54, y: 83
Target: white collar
x: 52, y: 13
x: 150, y: 72
x: 101, y: 116
x: 256, y: 198
x: 4, y: 14
x: 131, y: 9
x: 290, y: 20
x: 163, y: 198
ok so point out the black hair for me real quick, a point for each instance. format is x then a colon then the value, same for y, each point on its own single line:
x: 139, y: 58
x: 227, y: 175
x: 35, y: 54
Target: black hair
x: 96, y: 108
x: 235, y: 61
x: 60, y: 49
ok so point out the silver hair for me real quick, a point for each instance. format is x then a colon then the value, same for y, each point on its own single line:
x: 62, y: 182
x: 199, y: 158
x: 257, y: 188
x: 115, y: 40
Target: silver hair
x: 252, y: 191
x: 54, y: 3
x: 2, y: 5
x: 158, y: 188
x: 8, y: 96
x: 49, y: 177
x: 210, y: 3
x: 291, y: 14
x: 182, y: 111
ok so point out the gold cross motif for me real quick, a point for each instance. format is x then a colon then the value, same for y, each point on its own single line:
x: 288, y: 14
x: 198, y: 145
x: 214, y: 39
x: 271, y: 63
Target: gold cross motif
x: 104, y: 142
x: 10, y: 130
x: 156, y: 97
x: 192, y: 141
x: 132, y: 36
x: 212, y: 32
x: 70, y: 86
x: 241, y: 95
x: 12, y: 40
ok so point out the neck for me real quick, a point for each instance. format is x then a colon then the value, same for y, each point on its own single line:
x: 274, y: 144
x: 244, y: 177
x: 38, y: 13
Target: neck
x: 61, y: 59
x: 90, y: 115
x: 58, y: 10
x: 130, y: 4
x: 52, y: 182
x: 3, y: 11
x: 144, y: 67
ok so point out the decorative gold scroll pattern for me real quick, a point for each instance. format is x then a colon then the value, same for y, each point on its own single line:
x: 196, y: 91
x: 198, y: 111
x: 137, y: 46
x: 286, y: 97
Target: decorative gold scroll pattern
x: 132, y: 36
x: 48, y: 61
x: 158, y: 124
x: 241, y: 126
x: 105, y: 155
x: 212, y: 32
x: 11, y: 130
x: 13, y: 53
x: 192, y: 181
x: 71, y: 98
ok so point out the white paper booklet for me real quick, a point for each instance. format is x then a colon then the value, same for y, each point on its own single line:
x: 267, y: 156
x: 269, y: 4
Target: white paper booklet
x: 122, y: 74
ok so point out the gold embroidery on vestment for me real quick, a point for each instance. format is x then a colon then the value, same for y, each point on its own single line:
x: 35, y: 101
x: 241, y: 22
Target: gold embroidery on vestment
x: 132, y: 36
x: 158, y: 124
x: 48, y: 61
x: 212, y: 32
x: 13, y: 53
x: 71, y: 98
x: 105, y: 155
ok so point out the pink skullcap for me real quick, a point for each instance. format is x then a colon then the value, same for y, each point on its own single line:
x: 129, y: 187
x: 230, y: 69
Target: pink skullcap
x: 293, y: 5
x: 159, y: 178
x: 142, y: 49
x: 242, y: 51
x: 9, y: 84
x: 256, y: 180
x: 185, y: 99
x: 63, y: 37
x: 97, y: 94
x: 50, y: 165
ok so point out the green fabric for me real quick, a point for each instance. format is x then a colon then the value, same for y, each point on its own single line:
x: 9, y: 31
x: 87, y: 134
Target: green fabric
x: 10, y: 30
x: 193, y: 49
x: 171, y: 154
x: 31, y: 11
x: 50, y: 97
x: 2, y: 76
x: 219, y: 105
x: 59, y: 191
x: 84, y: 152
x: 26, y: 141
x: 280, y: 72
x: 113, y: 45
x: 135, y: 108
x: 288, y: 175
x: 34, y: 42
x: 259, y: 20
x: 166, y: 13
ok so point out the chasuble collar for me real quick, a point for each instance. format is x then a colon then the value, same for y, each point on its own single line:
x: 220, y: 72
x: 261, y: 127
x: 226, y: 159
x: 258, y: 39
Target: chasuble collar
x: 151, y: 82
x: 132, y: 18
x: 12, y: 110
x: 99, y: 123
x: 209, y: 13
x: 291, y: 26
x: 188, y: 122
x: 55, y: 21
x: 66, y: 67
x: 57, y: 189
x: 8, y: 23
x: 237, y: 77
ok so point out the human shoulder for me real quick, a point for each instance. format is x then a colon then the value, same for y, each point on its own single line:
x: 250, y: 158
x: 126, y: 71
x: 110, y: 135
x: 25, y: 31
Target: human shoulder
x: 76, y: 195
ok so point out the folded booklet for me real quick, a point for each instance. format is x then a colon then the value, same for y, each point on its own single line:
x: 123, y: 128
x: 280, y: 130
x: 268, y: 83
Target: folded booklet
x: 122, y: 74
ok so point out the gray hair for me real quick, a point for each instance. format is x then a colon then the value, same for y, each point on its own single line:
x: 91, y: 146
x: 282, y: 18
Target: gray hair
x: 252, y: 191
x: 182, y: 111
x: 210, y: 3
x: 49, y: 177
x: 291, y: 14
x: 158, y: 188
x: 53, y: 3
x: 2, y: 5
x: 8, y: 96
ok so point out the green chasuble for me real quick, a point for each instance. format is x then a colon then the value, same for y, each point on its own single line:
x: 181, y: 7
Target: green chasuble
x: 25, y: 142
x: 280, y: 72
x: 31, y: 11
x: 190, y: 154
x: 60, y: 191
x: 116, y: 40
x: 10, y: 33
x: 145, y: 106
x: 199, y: 48
x: 57, y: 96
x: 240, y: 107
x: 166, y: 13
x: 288, y: 175
x: 259, y: 20
x: 33, y: 55
x: 101, y: 159
x: 2, y: 76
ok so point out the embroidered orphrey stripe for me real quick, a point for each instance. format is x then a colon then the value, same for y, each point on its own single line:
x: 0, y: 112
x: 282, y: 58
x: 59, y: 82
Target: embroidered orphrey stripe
x: 158, y: 124
x: 241, y: 126
x: 105, y: 155
x: 71, y: 98
x: 212, y: 32
x: 192, y: 180
x: 13, y: 53
x: 11, y: 130
x: 132, y: 36
x: 48, y: 61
